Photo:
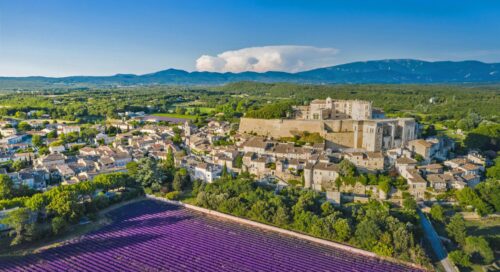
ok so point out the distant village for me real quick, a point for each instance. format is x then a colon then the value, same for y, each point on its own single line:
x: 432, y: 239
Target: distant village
x: 349, y: 130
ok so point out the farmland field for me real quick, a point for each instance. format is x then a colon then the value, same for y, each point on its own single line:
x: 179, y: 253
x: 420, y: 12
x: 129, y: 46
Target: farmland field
x: 175, y: 115
x: 153, y: 236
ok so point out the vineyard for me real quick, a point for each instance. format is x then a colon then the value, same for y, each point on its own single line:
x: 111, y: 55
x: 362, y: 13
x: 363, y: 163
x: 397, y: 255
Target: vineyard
x: 152, y: 236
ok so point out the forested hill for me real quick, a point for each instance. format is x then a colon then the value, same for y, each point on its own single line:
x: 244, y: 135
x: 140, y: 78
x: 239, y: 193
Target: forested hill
x: 379, y: 71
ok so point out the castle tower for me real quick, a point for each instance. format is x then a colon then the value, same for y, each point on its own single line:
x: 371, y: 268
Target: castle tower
x: 329, y: 103
x: 187, y: 129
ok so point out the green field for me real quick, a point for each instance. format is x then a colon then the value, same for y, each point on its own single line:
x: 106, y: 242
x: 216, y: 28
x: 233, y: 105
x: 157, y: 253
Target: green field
x: 190, y: 108
x: 202, y: 109
x: 175, y: 115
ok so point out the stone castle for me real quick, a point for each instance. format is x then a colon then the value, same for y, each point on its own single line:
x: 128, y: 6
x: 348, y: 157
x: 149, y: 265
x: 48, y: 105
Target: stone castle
x: 345, y: 124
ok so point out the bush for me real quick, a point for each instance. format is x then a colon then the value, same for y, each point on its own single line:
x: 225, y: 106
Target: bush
x: 173, y: 195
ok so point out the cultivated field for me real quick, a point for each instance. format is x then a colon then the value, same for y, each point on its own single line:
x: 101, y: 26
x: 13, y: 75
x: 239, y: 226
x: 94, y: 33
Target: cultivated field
x: 153, y: 236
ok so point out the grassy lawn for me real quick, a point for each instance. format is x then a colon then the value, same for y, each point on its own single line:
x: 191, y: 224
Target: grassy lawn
x: 202, y: 109
x: 175, y: 115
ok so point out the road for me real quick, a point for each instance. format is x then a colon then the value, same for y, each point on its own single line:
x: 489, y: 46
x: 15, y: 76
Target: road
x: 436, y: 244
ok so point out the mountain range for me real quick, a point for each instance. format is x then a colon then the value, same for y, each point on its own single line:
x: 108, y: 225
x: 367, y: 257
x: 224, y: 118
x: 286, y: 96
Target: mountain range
x: 390, y: 71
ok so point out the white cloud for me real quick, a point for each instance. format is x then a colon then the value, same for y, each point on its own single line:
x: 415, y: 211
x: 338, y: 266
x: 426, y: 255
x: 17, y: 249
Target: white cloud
x: 287, y: 58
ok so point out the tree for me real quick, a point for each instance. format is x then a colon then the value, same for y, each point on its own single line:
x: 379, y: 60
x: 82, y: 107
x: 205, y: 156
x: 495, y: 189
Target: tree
x: 18, y: 221
x: 224, y: 173
x: 23, y: 126
x: 409, y: 204
x: 20, y: 115
x: 132, y: 168
x: 52, y: 134
x: 347, y: 168
x: 342, y: 229
x: 6, y: 187
x: 178, y: 183
x: 484, y: 137
x: 36, y: 140
x: 148, y: 172
x: 494, y: 171
x: 65, y: 204
x: 180, y: 110
x: 456, y: 228
x: 467, y: 196
x: 458, y: 257
x: 238, y: 161
x: 170, y: 162
x: 367, y: 234
x: 18, y: 165
x: 488, y: 191
x: 58, y: 225
x: 282, y: 216
x: 479, y: 245
x: 327, y: 208
x: 43, y: 150
x: 36, y: 202
x: 437, y: 213
x: 385, y: 185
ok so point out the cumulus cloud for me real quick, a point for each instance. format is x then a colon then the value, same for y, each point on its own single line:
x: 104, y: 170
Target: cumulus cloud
x: 287, y: 58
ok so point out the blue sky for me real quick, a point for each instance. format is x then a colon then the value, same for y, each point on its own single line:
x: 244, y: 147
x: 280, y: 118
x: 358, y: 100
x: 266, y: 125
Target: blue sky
x: 102, y: 37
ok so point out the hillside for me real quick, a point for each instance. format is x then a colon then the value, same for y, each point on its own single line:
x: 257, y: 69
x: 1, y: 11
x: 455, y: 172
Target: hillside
x: 379, y: 71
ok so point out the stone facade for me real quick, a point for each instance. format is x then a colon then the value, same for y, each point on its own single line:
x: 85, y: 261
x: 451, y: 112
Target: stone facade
x: 330, y: 109
x: 370, y: 135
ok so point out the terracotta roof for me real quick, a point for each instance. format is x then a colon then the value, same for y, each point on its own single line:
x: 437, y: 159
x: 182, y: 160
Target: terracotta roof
x: 421, y: 142
x: 405, y: 160
x: 256, y: 142
x: 326, y: 166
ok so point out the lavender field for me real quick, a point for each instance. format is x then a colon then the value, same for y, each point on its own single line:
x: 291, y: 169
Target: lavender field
x: 152, y: 236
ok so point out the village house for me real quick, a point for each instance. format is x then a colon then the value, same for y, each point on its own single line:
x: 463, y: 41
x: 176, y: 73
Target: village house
x: 27, y: 156
x: 104, y: 138
x: 257, y: 145
x: 13, y: 139
x: 57, y: 149
x: 432, y: 148
x: 477, y: 158
x: 434, y: 168
x: 440, y: 182
x: 119, y: 124
x: 206, y: 172
x: 65, y: 129
x: 416, y: 183
x: 6, y: 132
x: 256, y: 165
x: 4, y: 157
x: 50, y: 160
x: 316, y: 175
x: 403, y: 164
x: 366, y: 161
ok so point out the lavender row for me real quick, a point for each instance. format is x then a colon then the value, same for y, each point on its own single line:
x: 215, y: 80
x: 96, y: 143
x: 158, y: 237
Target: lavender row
x: 151, y: 236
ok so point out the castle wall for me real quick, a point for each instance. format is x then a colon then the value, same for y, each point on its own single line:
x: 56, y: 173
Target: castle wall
x: 338, y: 133
x: 278, y: 127
x: 347, y: 133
